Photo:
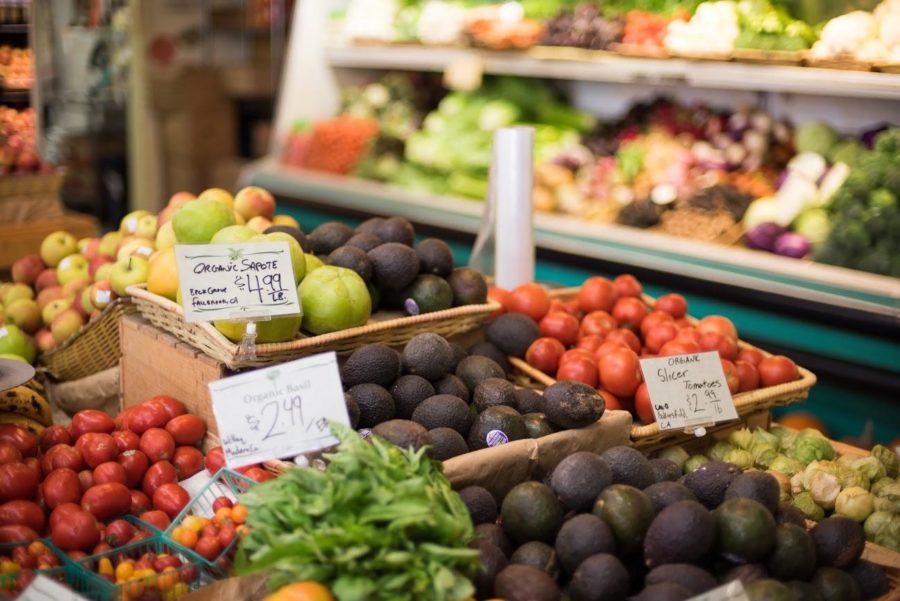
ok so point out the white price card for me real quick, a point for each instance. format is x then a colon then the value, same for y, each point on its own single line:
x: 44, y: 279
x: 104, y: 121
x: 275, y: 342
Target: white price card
x: 279, y: 411
x: 47, y: 589
x: 733, y: 591
x: 688, y: 391
x: 247, y: 280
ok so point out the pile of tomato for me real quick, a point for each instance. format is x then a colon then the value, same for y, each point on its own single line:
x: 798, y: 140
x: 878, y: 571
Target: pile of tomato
x: 599, y: 336
x: 149, y: 576
x: 213, y: 537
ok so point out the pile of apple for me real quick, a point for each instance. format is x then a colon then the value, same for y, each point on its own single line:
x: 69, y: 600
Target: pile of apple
x: 18, y: 145
x: 16, y: 67
x: 599, y: 337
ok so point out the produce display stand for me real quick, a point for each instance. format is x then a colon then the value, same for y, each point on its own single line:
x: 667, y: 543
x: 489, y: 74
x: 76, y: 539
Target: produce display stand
x: 18, y: 239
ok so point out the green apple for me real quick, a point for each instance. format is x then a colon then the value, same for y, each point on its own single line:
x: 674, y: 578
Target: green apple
x: 57, y: 246
x: 232, y: 234
x: 84, y: 303
x: 128, y: 271
x: 14, y: 292
x: 165, y: 236
x: 298, y: 262
x: 334, y: 298
x: 54, y: 308
x: 133, y: 245
x: 109, y: 244
x: 146, y: 227
x: 11, y: 357
x: 277, y: 329
x: 72, y: 267
x: 129, y: 224
x: 25, y: 314
x: 197, y: 221
x: 14, y: 341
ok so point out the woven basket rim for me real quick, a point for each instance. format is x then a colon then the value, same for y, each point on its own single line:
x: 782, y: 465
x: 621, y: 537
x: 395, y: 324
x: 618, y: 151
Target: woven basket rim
x: 114, y: 307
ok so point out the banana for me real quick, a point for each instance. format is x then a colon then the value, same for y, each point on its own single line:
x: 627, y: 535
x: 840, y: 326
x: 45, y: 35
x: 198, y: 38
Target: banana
x: 20, y: 420
x: 28, y: 403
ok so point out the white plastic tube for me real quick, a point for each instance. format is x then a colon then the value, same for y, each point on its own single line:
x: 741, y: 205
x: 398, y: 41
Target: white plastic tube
x: 513, y: 175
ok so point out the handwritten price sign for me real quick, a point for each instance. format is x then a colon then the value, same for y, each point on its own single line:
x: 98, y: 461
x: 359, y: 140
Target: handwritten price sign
x: 235, y: 281
x: 279, y: 411
x: 688, y: 390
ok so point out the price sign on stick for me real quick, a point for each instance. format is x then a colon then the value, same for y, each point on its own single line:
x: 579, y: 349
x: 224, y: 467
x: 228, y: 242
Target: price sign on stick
x: 244, y: 281
x: 733, y: 591
x: 279, y: 411
x: 688, y: 391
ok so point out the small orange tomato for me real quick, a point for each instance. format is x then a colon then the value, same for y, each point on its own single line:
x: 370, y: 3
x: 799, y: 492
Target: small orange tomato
x: 224, y: 513
x: 239, y: 514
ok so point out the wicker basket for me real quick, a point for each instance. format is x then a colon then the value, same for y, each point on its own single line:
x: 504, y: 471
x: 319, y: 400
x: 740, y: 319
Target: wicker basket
x: 647, y: 436
x: 843, y: 62
x: 31, y: 183
x: 393, y: 331
x: 93, y: 348
x: 768, y: 57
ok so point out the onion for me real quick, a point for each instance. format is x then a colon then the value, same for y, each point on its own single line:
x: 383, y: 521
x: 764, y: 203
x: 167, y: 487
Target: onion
x: 763, y: 236
x: 792, y: 244
x: 761, y: 122
x: 809, y: 164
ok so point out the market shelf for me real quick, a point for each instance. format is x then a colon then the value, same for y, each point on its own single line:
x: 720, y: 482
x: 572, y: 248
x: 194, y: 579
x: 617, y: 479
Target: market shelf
x: 739, y: 267
x: 611, y: 68
x: 19, y: 28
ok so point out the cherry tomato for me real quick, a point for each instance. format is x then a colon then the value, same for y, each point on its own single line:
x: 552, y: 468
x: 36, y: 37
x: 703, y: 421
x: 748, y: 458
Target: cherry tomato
x: 170, y: 498
x: 773, y: 370
x: 642, y: 404
x: 579, y: 370
x: 9, y: 453
x: 111, y: 471
x: 161, y: 472
x: 629, y: 312
x: 221, y: 502
x: 544, y: 354
x: 499, y: 296
x: 718, y: 324
x: 17, y: 481
x: 187, y: 461
x: 172, y: 407
x: 620, y: 372
x: 157, y: 444
x: 626, y: 337
x: 20, y: 438
x: 134, y: 464
x: 107, y: 501
x: 673, y: 303
x: 53, y: 435
x: 186, y: 430
x: 597, y: 294
x: 627, y: 285
x: 258, y: 474
x: 139, y: 503
x: 725, y: 346
x: 126, y: 440
x: 208, y: 547
x: 61, y: 486
x: 653, y: 319
x: 22, y: 513
x: 748, y: 375
x: 215, y: 460
x: 91, y: 420
x: 590, y: 342
x: 79, y: 531
x: 156, y: 518
x: 530, y: 299
x: 678, y: 347
x: 659, y: 335
x: 597, y: 323
x: 751, y: 355
x: 731, y: 376
x: 560, y: 325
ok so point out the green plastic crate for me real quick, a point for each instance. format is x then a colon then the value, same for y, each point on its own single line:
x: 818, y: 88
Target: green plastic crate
x: 67, y: 575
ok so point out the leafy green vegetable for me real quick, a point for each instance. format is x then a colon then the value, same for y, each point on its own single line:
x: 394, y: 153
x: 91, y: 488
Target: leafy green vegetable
x: 378, y: 524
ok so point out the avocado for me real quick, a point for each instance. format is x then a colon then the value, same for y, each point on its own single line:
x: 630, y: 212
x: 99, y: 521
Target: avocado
x: 665, y: 470
x: 293, y: 232
x: 427, y: 355
x: 748, y: 572
x: 396, y: 230
x: 663, y: 494
x: 788, y: 514
x: 372, y: 363
x: 474, y: 369
x: 767, y: 589
x: 487, y: 349
x: 696, y: 580
x: 759, y: 486
x: 389, y: 298
x: 525, y: 583
x: 536, y: 425
x: 666, y: 591
x: 469, y: 286
x: 447, y: 443
x: 493, y: 561
x: 329, y: 236
x: 494, y: 391
x: 710, y: 481
x: 871, y: 579
x: 459, y: 353
x: 839, y: 541
x: 394, y: 266
x: 375, y: 295
x: 375, y: 404
x: 352, y: 258
x: 451, y: 384
x: 408, y: 391
x: 369, y: 226
x: 495, y: 426
x: 481, y: 504
x: 427, y: 294
x: 579, y: 479
x: 443, y: 411
x: 365, y: 241
x: 803, y: 591
x: 745, y: 530
x: 600, y: 577
x: 352, y: 410
x: 580, y: 537
x: 794, y: 555
x: 435, y: 257
x: 403, y: 433
x: 629, y: 466
x: 537, y: 555
x: 683, y: 532
x: 513, y: 333
x: 570, y: 404
x: 835, y: 585
x: 529, y: 401
x: 531, y: 511
x: 493, y: 533
x: 628, y: 512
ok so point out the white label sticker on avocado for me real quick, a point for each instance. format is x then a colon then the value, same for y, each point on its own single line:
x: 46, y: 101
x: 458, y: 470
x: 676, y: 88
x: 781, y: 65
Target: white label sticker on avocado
x: 733, y: 591
x: 687, y: 391
x: 364, y: 433
x: 411, y: 306
x: 495, y: 438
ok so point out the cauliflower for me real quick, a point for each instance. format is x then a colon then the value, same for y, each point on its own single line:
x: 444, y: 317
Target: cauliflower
x: 848, y: 32
x: 441, y: 23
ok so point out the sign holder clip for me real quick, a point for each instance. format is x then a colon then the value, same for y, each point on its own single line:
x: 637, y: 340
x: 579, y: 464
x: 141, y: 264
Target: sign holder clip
x: 247, y: 345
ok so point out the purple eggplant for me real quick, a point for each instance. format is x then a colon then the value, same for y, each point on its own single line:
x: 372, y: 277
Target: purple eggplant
x: 763, y: 236
x: 792, y: 244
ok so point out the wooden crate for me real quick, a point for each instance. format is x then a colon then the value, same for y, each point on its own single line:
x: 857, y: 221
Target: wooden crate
x: 154, y: 362
x: 20, y: 239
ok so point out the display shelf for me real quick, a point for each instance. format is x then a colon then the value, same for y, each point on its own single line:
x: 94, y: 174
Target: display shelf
x: 612, y: 68
x: 17, y: 28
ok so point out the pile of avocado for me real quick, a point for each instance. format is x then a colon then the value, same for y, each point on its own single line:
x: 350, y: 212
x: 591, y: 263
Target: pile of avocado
x: 618, y: 526
x: 454, y: 400
x: 400, y: 274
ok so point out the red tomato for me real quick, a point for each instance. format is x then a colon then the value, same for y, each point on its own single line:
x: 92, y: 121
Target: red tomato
x: 156, y: 518
x: 684, y: 322
x: 215, y: 460
x: 61, y: 486
x: 122, y: 419
x: 210, y: 530
x: 731, y: 376
x: 16, y: 533
x: 577, y: 354
x: 642, y: 404
x: 170, y: 498
x: 579, y: 370
x: 62, y: 455
x: 544, y: 354
x: 97, y: 448
x: 626, y: 337
x: 773, y: 370
x: 673, y: 303
x: 590, y: 342
x: 258, y: 474
x: 157, y: 444
x: 597, y: 323
x: 101, y: 547
x: 627, y: 285
x: 135, y: 464
x: 690, y: 334
x: 611, y: 401
x: 725, y: 346
x: 718, y: 324
x: 54, y: 435
x: 607, y: 347
x: 656, y: 337
x: 221, y: 502
x: 111, y: 471
x: 530, y: 299
x: 139, y: 503
x: 86, y: 478
x: 20, y: 438
x: 597, y: 294
x: 208, y: 547
x: 119, y: 532
x: 751, y: 355
x: 79, y: 531
x: 629, y: 312
x: 620, y: 372
x: 146, y: 416
x: 678, y: 347
x: 170, y: 561
x: 17, y: 481
x: 161, y: 472
x: 186, y: 430
x: 748, y: 375
x: 499, y: 296
x: 126, y: 440
x: 9, y: 453
x: 91, y: 420
x: 572, y: 307
x: 34, y: 464
x: 171, y: 406
x: 22, y: 513
x: 226, y: 536
x: 106, y: 501
x: 560, y: 325
x: 653, y: 319
x: 187, y: 461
